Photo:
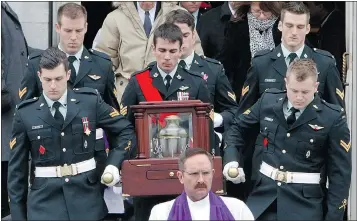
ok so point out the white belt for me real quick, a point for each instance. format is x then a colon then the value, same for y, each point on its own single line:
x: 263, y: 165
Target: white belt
x: 66, y: 170
x: 289, y: 177
x: 98, y: 133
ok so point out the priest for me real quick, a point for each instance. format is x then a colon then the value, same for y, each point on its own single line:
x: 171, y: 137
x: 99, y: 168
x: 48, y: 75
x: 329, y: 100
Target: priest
x: 198, y: 202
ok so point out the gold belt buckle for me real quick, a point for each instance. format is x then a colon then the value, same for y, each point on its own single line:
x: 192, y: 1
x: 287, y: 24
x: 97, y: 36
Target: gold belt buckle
x: 66, y: 170
x: 281, y: 176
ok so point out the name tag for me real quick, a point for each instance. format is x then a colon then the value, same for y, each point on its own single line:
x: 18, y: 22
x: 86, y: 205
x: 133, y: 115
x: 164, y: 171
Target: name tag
x: 268, y: 119
x: 270, y: 80
x: 37, y: 127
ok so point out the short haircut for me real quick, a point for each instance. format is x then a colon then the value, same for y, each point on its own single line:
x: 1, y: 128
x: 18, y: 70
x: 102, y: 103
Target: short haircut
x: 52, y: 58
x: 298, y: 8
x: 170, y: 32
x: 182, y: 17
x: 302, y: 69
x: 190, y: 152
x: 72, y: 11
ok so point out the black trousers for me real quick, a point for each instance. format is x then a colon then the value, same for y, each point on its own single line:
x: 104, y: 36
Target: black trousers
x: 5, y: 209
x: 270, y: 213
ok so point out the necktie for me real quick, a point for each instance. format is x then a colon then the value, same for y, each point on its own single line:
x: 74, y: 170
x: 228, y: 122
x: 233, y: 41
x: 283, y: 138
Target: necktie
x: 71, y: 59
x: 182, y: 63
x: 58, y: 116
x: 292, y: 57
x: 168, y: 82
x: 147, y: 24
x: 292, y: 118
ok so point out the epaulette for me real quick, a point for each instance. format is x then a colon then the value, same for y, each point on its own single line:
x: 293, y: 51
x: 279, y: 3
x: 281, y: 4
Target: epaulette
x: 35, y: 54
x: 210, y: 60
x: 152, y: 64
x: 323, y: 52
x: 274, y: 91
x: 335, y: 107
x: 196, y: 74
x: 86, y: 90
x: 26, y: 102
x: 100, y: 54
x: 263, y: 52
x: 142, y: 71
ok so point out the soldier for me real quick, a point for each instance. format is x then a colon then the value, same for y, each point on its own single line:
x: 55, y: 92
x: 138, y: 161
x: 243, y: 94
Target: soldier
x: 89, y: 68
x: 210, y: 70
x: 303, y: 139
x: 269, y: 67
x: 161, y: 81
x: 61, y: 139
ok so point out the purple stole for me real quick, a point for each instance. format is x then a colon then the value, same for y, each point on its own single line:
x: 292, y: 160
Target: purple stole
x: 218, y: 210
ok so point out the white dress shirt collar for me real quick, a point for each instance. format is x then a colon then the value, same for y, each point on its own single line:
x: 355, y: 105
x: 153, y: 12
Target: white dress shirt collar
x: 62, y: 100
x: 189, y: 59
x: 142, y: 13
x: 78, y: 55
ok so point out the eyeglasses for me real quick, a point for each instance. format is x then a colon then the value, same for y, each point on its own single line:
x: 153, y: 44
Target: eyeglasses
x: 257, y: 13
x: 198, y: 173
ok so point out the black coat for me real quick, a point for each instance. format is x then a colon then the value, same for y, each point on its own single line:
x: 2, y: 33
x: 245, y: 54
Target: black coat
x: 317, y: 142
x: 236, y: 56
x: 14, y: 54
x: 211, y: 29
x: 77, y: 197
x: 331, y: 36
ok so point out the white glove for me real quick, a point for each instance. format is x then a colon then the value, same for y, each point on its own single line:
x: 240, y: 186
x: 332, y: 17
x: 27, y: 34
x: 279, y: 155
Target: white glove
x: 220, y: 137
x: 241, y: 176
x: 217, y: 120
x: 115, y: 172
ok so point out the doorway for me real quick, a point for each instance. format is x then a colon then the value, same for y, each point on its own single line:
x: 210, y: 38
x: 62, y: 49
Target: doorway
x: 97, y: 12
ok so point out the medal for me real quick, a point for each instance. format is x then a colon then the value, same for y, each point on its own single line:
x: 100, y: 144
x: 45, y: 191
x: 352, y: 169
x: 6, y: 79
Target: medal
x: 85, y: 123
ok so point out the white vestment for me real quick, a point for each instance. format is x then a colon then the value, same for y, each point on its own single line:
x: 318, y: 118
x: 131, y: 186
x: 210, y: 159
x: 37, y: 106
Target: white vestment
x: 200, y: 210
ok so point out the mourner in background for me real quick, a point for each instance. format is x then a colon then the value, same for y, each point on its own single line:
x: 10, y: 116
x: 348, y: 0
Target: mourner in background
x: 127, y: 37
x: 58, y: 130
x: 254, y: 27
x: 163, y: 80
x: 194, y: 9
x: 197, y: 201
x: 212, y: 28
x: 302, y: 140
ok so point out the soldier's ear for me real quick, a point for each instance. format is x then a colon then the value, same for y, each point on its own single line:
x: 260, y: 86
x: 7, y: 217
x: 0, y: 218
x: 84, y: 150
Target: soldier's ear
x: 39, y: 74
x: 308, y: 29
x: 317, y: 86
x: 68, y: 74
x: 280, y: 26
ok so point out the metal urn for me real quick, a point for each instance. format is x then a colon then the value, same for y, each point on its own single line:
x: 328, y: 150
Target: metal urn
x: 173, y: 138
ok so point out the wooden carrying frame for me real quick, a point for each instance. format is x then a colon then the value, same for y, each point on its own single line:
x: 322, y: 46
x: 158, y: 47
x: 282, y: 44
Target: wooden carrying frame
x: 145, y: 176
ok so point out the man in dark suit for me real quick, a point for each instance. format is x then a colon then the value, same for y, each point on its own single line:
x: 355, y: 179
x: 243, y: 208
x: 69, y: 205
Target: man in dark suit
x: 212, y: 29
x: 302, y: 140
x: 89, y: 68
x: 14, y: 52
x: 58, y: 130
x: 163, y: 80
x: 194, y: 9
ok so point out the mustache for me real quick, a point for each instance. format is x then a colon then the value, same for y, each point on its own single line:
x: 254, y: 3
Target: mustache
x: 200, y: 185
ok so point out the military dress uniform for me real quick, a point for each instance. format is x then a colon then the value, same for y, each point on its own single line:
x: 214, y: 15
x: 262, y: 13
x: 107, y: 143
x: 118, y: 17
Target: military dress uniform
x: 66, y: 184
x: 296, y: 159
x: 268, y: 70
x: 95, y: 71
x: 183, y: 81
